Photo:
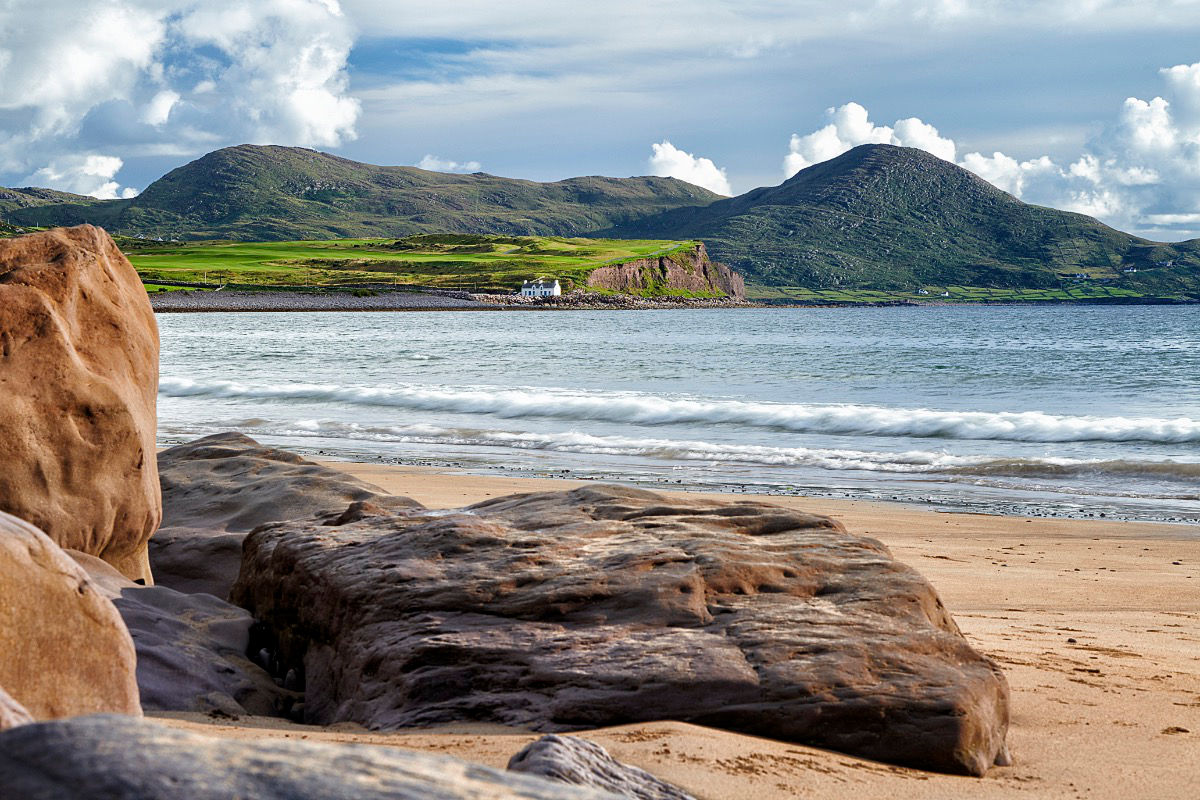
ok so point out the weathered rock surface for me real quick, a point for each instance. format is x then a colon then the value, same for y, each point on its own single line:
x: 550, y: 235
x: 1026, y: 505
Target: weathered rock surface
x: 106, y: 757
x: 573, y: 760
x: 217, y: 488
x: 12, y: 713
x: 191, y: 655
x: 685, y: 271
x: 191, y: 648
x: 607, y: 606
x: 79, y: 377
x: 63, y: 647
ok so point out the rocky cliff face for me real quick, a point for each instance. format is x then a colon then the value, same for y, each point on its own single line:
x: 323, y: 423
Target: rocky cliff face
x: 683, y: 271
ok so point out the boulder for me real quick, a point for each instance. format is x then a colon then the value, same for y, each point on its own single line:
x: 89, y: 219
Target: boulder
x: 191, y: 648
x: 191, y: 655
x: 608, y: 606
x: 79, y: 377
x: 65, y: 650
x: 583, y: 763
x: 12, y: 713
x: 217, y: 488
x: 105, y: 757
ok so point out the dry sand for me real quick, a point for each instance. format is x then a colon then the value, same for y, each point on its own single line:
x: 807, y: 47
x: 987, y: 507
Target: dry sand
x: 1096, y: 624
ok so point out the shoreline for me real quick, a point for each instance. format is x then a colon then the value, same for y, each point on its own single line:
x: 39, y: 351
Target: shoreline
x: 1094, y: 623
x: 340, y: 300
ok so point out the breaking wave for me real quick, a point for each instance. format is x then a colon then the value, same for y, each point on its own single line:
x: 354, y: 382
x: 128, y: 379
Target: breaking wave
x: 907, y: 462
x: 646, y: 409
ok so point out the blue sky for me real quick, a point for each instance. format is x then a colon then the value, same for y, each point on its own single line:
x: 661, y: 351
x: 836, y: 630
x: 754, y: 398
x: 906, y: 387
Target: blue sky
x: 1092, y: 105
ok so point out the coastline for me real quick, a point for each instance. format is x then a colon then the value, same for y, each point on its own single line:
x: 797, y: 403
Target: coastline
x: 1093, y: 622
x: 274, y: 300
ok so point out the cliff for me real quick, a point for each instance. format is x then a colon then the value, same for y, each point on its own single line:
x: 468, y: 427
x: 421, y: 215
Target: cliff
x: 686, y: 271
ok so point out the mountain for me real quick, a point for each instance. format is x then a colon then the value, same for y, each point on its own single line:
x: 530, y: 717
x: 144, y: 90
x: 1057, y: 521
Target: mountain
x: 897, y: 218
x: 878, y: 217
x: 278, y: 193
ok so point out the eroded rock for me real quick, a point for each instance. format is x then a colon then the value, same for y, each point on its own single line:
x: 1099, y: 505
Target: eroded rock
x: 12, y: 713
x: 577, y: 761
x: 63, y: 647
x: 105, y: 757
x: 79, y: 378
x: 217, y: 488
x: 608, y: 606
x: 191, y: 655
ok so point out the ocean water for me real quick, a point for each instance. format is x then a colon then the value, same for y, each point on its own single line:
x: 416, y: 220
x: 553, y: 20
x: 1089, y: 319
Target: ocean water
x: 1058, y: 410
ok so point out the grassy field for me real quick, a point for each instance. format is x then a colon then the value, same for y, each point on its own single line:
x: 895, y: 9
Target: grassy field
x: 1069, y: 292
x: 458, y: 261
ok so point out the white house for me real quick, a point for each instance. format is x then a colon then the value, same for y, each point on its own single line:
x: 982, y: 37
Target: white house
x: 541, y: 288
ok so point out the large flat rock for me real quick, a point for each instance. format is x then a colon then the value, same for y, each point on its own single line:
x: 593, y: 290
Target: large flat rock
x: 217, y: 488
x: 106, y: 757
x: 63, y: 647
x: 606, y: 606
x: 79, y: 378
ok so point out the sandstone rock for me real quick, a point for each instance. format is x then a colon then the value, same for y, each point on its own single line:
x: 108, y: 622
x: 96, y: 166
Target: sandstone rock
x: 12, y: 713
x: 79, y: 377
x: 607, y: 606
x: 191, y: 655
x: 688, y: 270
x: 191, y: 649
x: 217, y: 488
x: 106, y: 757
x: 578, y: 761
x: 63, y: 647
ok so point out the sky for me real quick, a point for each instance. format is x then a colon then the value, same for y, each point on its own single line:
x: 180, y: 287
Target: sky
x: 1088, y: 105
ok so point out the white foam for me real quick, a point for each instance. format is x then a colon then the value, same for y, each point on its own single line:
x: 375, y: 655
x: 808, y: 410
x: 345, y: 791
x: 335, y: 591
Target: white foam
x: 648, y: 409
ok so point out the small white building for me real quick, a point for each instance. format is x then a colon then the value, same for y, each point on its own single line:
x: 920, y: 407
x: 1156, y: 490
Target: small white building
x: 541, y: 288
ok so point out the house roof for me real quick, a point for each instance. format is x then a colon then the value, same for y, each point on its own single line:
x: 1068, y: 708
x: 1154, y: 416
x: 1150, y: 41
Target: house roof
x: 546, y: 284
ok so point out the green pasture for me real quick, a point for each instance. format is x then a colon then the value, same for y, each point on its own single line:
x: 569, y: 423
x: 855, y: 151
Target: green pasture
x: 457, y: 261
x: 944, y: 294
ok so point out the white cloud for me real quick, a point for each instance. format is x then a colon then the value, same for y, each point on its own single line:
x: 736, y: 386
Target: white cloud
x: 167, y: 73
x: 851, y: 126
x: 435, y: 164
x: 668, y: 161
x: 158, y: 110
x: 90, y: 174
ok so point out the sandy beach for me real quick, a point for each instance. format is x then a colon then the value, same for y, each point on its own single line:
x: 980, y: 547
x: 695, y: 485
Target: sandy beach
x: 1095, y: 624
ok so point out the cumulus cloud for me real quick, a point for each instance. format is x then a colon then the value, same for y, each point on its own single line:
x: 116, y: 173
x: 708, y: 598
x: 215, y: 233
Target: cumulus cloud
x: 850, y: 127
x: 1141, y: 173
x: 91, y: 173
x: 138, y: 76
x: 668, y: 161
x: 158, y: 110
x: 435, y: 164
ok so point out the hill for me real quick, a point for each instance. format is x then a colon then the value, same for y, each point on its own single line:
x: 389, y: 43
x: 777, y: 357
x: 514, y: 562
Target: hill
x: 285, y: 193
x: 893, y: 218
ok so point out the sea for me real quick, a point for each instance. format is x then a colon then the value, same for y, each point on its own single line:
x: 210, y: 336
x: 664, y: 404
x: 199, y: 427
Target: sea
x: 1068, y: 411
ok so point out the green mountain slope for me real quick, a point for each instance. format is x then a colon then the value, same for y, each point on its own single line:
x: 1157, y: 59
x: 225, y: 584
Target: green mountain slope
x: 12, y: 200
x: 285, y: 193
x: 898, y: 218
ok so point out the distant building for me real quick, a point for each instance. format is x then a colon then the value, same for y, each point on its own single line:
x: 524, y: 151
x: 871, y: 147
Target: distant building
x: 541, y: 288
x: 922, y: 291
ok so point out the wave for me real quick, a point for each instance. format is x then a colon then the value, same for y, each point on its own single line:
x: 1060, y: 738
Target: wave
x: 1186, y: 471
x: 646, y: 409
x: 913, y: 462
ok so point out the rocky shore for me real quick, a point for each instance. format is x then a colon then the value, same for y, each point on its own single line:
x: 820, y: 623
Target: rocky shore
x: 599, y: 301
x: 389, y: 300
x: 273, y: 300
